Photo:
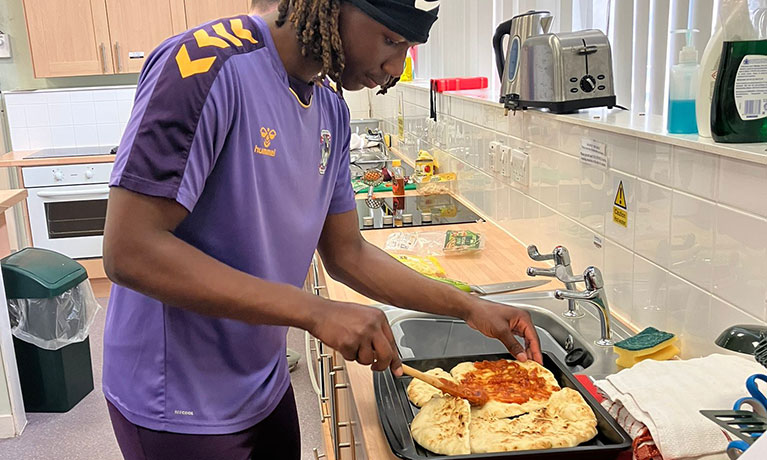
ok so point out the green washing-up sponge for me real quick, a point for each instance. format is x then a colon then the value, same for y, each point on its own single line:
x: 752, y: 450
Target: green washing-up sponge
x: 648, y: 344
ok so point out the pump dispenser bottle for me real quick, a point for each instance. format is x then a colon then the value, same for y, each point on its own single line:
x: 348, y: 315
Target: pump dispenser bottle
x: 683, y: 87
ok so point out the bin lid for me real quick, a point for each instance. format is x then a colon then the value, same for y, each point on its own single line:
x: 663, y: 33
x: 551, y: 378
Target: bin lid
x: 36, y: 273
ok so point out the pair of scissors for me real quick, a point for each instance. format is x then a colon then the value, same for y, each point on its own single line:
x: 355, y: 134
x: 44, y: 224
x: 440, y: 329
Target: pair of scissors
x: 757, y: 400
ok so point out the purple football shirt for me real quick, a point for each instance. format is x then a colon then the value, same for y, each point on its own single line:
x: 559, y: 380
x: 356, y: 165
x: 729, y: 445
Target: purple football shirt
x: 217, y: 127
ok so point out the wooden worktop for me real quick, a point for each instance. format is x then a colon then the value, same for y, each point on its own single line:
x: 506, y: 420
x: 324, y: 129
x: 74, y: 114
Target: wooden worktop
x: 19, y: 158
x: 10, y: 197
x: 503, y: 259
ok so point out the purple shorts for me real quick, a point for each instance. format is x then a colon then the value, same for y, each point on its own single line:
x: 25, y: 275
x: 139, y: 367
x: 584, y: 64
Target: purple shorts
x: 275, y: 437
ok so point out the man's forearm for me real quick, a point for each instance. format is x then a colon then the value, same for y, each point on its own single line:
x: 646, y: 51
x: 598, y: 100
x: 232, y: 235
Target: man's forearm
x: 386, y: 280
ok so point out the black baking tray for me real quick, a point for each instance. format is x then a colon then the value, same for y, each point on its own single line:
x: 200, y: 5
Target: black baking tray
x: 396, y: 412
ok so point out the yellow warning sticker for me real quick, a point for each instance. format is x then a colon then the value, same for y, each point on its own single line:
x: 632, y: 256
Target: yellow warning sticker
x: 620, y: 197
x: 620, y: 217
x: 620, y: 210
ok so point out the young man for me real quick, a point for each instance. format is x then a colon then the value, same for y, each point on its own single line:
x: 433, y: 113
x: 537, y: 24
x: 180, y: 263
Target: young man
x: 234, y: 167
x: 263, y: 7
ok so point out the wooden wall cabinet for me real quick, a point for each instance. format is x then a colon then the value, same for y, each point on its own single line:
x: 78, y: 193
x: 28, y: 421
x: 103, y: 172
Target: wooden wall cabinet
x: 104, y: 37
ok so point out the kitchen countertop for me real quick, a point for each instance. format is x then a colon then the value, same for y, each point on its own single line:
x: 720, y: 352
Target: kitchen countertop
x: 502, y: 259
x: 18, y: 158
x: 10, y: 197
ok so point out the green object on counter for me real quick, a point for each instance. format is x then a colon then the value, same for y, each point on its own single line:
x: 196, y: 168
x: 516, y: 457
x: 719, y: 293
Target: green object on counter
x: 738, y: 111
x: 459, y: 284
x: 359, y: 187
x: 648, y: 338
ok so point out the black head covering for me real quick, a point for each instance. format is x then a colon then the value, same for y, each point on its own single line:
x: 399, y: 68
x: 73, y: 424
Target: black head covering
x: 410, y: 18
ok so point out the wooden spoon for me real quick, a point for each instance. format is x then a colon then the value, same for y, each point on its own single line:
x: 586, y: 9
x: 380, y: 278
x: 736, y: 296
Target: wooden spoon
x: 475, y: 397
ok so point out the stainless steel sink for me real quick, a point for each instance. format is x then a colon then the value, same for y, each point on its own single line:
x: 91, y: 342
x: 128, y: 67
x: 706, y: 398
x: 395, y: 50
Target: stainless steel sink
x: 421, y: 335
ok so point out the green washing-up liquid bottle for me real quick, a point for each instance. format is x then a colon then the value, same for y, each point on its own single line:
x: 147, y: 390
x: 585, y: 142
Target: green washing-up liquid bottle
x: 739, y: 103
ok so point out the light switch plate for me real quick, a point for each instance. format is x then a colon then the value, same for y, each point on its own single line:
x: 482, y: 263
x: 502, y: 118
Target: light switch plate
x: 493, y: 155
x: 520, y: 167
x: 505, y: 161
x: 5, y: 46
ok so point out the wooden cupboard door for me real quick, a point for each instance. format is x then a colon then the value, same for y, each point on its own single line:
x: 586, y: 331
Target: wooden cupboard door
x: 68, y: 37
x: 201, y: 11
x: 137, y: 27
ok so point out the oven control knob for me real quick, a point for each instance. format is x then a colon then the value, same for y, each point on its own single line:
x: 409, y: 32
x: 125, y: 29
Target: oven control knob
x: 89, y: 173
x: 58, y: 175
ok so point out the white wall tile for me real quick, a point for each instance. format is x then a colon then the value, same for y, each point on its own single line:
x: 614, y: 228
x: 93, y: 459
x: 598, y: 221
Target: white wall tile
x: 695, y: 172
x: 104, y: 94
x: 14, y: 99
x: 106, y: 112
x: 40, y: 137
x: 86, y: 135
x: 622, y: 235
x: 621, y: 151
x: 124, y: 94
x: 579, y: 240
x: 692, y: 239
x: 60, y: 114
x: 124, y: 108
x: 57, y: 97
x: 743, y: 185
x: 63, y: 136
x: 618, y: 274
x: 20, y: 139
x: 654, y: 161
x: 542, y: 130
x: 740, y: 260
x: 689, y: 311
x: 650, y: 294
x: 17, y: 116
x: 545, y: 175
x: 32, y: 97
x: 37, y: 115
x: 109, y: 133
x: 592, y: 197
x: 81, y: 96
x: 653, y: 216
x: 568, y: 196
x: 83, y: 113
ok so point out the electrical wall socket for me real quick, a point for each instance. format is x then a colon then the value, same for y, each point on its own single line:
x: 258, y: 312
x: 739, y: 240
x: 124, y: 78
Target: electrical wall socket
x: 493, y: 155
x: 5, y: 46
x: 505, y: 165
x: 520, y: 167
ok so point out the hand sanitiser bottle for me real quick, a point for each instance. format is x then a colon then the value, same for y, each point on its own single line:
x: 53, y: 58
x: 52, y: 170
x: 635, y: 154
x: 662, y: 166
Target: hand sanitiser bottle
x: 683, y: 87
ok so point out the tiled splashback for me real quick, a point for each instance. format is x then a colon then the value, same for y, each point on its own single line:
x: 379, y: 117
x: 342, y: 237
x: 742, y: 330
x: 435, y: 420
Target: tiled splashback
x: 693, y: 256
x: 89, y: 117
x: 68, y: 118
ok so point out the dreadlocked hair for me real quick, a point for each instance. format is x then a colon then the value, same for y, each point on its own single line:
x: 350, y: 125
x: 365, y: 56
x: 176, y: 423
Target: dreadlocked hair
x: 316, y: 23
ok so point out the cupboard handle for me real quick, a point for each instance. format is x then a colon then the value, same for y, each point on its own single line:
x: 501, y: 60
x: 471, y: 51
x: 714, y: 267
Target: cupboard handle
x: 310, y: 363
x: 119, y: 57
x: 103, y: 50
x: 317, y: 454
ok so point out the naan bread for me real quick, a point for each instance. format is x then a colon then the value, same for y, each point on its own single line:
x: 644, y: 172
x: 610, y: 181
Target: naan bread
x: 420, y: 392
x: 442, y: 426
x: 500, y: 409
x: 565, y: 422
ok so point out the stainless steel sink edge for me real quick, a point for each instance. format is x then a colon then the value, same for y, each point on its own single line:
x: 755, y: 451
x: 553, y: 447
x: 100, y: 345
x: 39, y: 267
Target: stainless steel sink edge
x: 547, y: 315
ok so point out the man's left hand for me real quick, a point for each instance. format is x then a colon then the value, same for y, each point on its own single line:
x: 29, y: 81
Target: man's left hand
x: 503, y: 322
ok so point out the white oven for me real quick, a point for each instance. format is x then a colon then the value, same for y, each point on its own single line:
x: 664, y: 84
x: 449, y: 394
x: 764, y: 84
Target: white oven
x: 67, y: 207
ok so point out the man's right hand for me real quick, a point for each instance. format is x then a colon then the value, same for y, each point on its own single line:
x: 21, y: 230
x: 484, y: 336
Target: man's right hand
x: 359, y: 333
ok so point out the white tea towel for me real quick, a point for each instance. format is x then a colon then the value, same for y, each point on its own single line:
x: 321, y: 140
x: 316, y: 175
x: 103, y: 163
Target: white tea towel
x: 667, y: 395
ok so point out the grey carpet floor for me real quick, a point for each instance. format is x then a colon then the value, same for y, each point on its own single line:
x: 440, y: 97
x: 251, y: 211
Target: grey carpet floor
x: 85, y: 433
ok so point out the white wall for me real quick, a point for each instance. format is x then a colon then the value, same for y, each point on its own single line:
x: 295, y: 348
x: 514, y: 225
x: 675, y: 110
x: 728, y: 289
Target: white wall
x: 81, y: 117
x: 693, y: 259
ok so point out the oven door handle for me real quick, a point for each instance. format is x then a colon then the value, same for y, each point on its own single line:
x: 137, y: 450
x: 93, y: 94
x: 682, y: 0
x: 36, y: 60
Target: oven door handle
x: 96, y: 192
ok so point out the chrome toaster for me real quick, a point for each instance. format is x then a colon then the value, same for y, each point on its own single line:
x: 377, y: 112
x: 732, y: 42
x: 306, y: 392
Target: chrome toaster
x: 562, y: 72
